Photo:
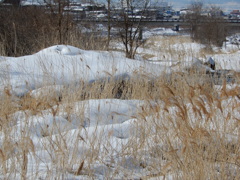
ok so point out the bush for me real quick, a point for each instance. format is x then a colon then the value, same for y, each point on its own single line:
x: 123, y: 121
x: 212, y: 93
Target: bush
x: 208, y: 27
x: 210, y: 31
x: 26, y: 30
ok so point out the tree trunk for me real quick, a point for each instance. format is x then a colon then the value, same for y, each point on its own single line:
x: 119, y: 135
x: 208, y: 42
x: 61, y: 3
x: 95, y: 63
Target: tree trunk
x: 109, y: 24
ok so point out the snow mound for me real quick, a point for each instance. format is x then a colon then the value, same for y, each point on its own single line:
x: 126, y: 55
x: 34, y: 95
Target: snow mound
x: 67, y: 65
x: 63, y: 50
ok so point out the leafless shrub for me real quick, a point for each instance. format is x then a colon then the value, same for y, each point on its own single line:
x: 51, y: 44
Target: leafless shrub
x: 26, y: 30
x: 207, y: 25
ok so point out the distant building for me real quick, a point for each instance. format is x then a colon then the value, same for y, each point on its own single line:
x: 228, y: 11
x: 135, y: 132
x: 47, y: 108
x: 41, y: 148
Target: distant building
x: 93, y: 7
x: 160, y: 6
x: 11, y: 2
x: 235, y: 12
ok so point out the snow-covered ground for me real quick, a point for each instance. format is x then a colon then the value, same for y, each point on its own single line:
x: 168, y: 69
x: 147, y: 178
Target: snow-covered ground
x: 65, y: 65
x: 104, y: 138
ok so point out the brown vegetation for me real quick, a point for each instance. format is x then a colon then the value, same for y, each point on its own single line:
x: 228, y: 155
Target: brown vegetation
x: 27, y: 30
x: 187, y: 127
x: 184, y: 127
x: 207, y: 28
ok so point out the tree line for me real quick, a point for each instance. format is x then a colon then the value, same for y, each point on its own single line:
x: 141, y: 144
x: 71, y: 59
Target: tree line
x: 25, y: 30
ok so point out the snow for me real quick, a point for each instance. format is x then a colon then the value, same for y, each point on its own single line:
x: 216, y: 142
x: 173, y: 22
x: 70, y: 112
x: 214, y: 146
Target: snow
x: 33, y: 2
x: 112, y: 123
x: 158, y: 31
x: 234, y: 39
x: 64, y: 65
x: 97, y: 122
x: 99, y: 128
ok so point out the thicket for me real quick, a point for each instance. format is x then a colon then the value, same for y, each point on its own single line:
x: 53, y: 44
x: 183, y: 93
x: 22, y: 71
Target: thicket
x: 22, y: 30
x: 211, y: 31
x: 26, y: 30
x: 207, y: 26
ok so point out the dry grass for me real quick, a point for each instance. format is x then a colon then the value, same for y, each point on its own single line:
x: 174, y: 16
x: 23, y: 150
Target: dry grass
x: 171, y: 48
x: 187, y: 128
x: 184, y: 133
x: 180, y: 48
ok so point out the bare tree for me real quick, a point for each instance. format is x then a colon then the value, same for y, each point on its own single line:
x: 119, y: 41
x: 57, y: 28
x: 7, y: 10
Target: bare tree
x: 109, y: 22
x: 214, y: 28
x: 194, y: 17
x: 25, y: 30
x: 215, y: 11
x: 130, y: 32
x: 59, y: 8
x: 207, y: 25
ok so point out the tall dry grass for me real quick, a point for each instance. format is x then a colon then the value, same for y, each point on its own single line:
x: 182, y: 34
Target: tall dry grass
x: 186, y: 130
x: 167, y: 48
